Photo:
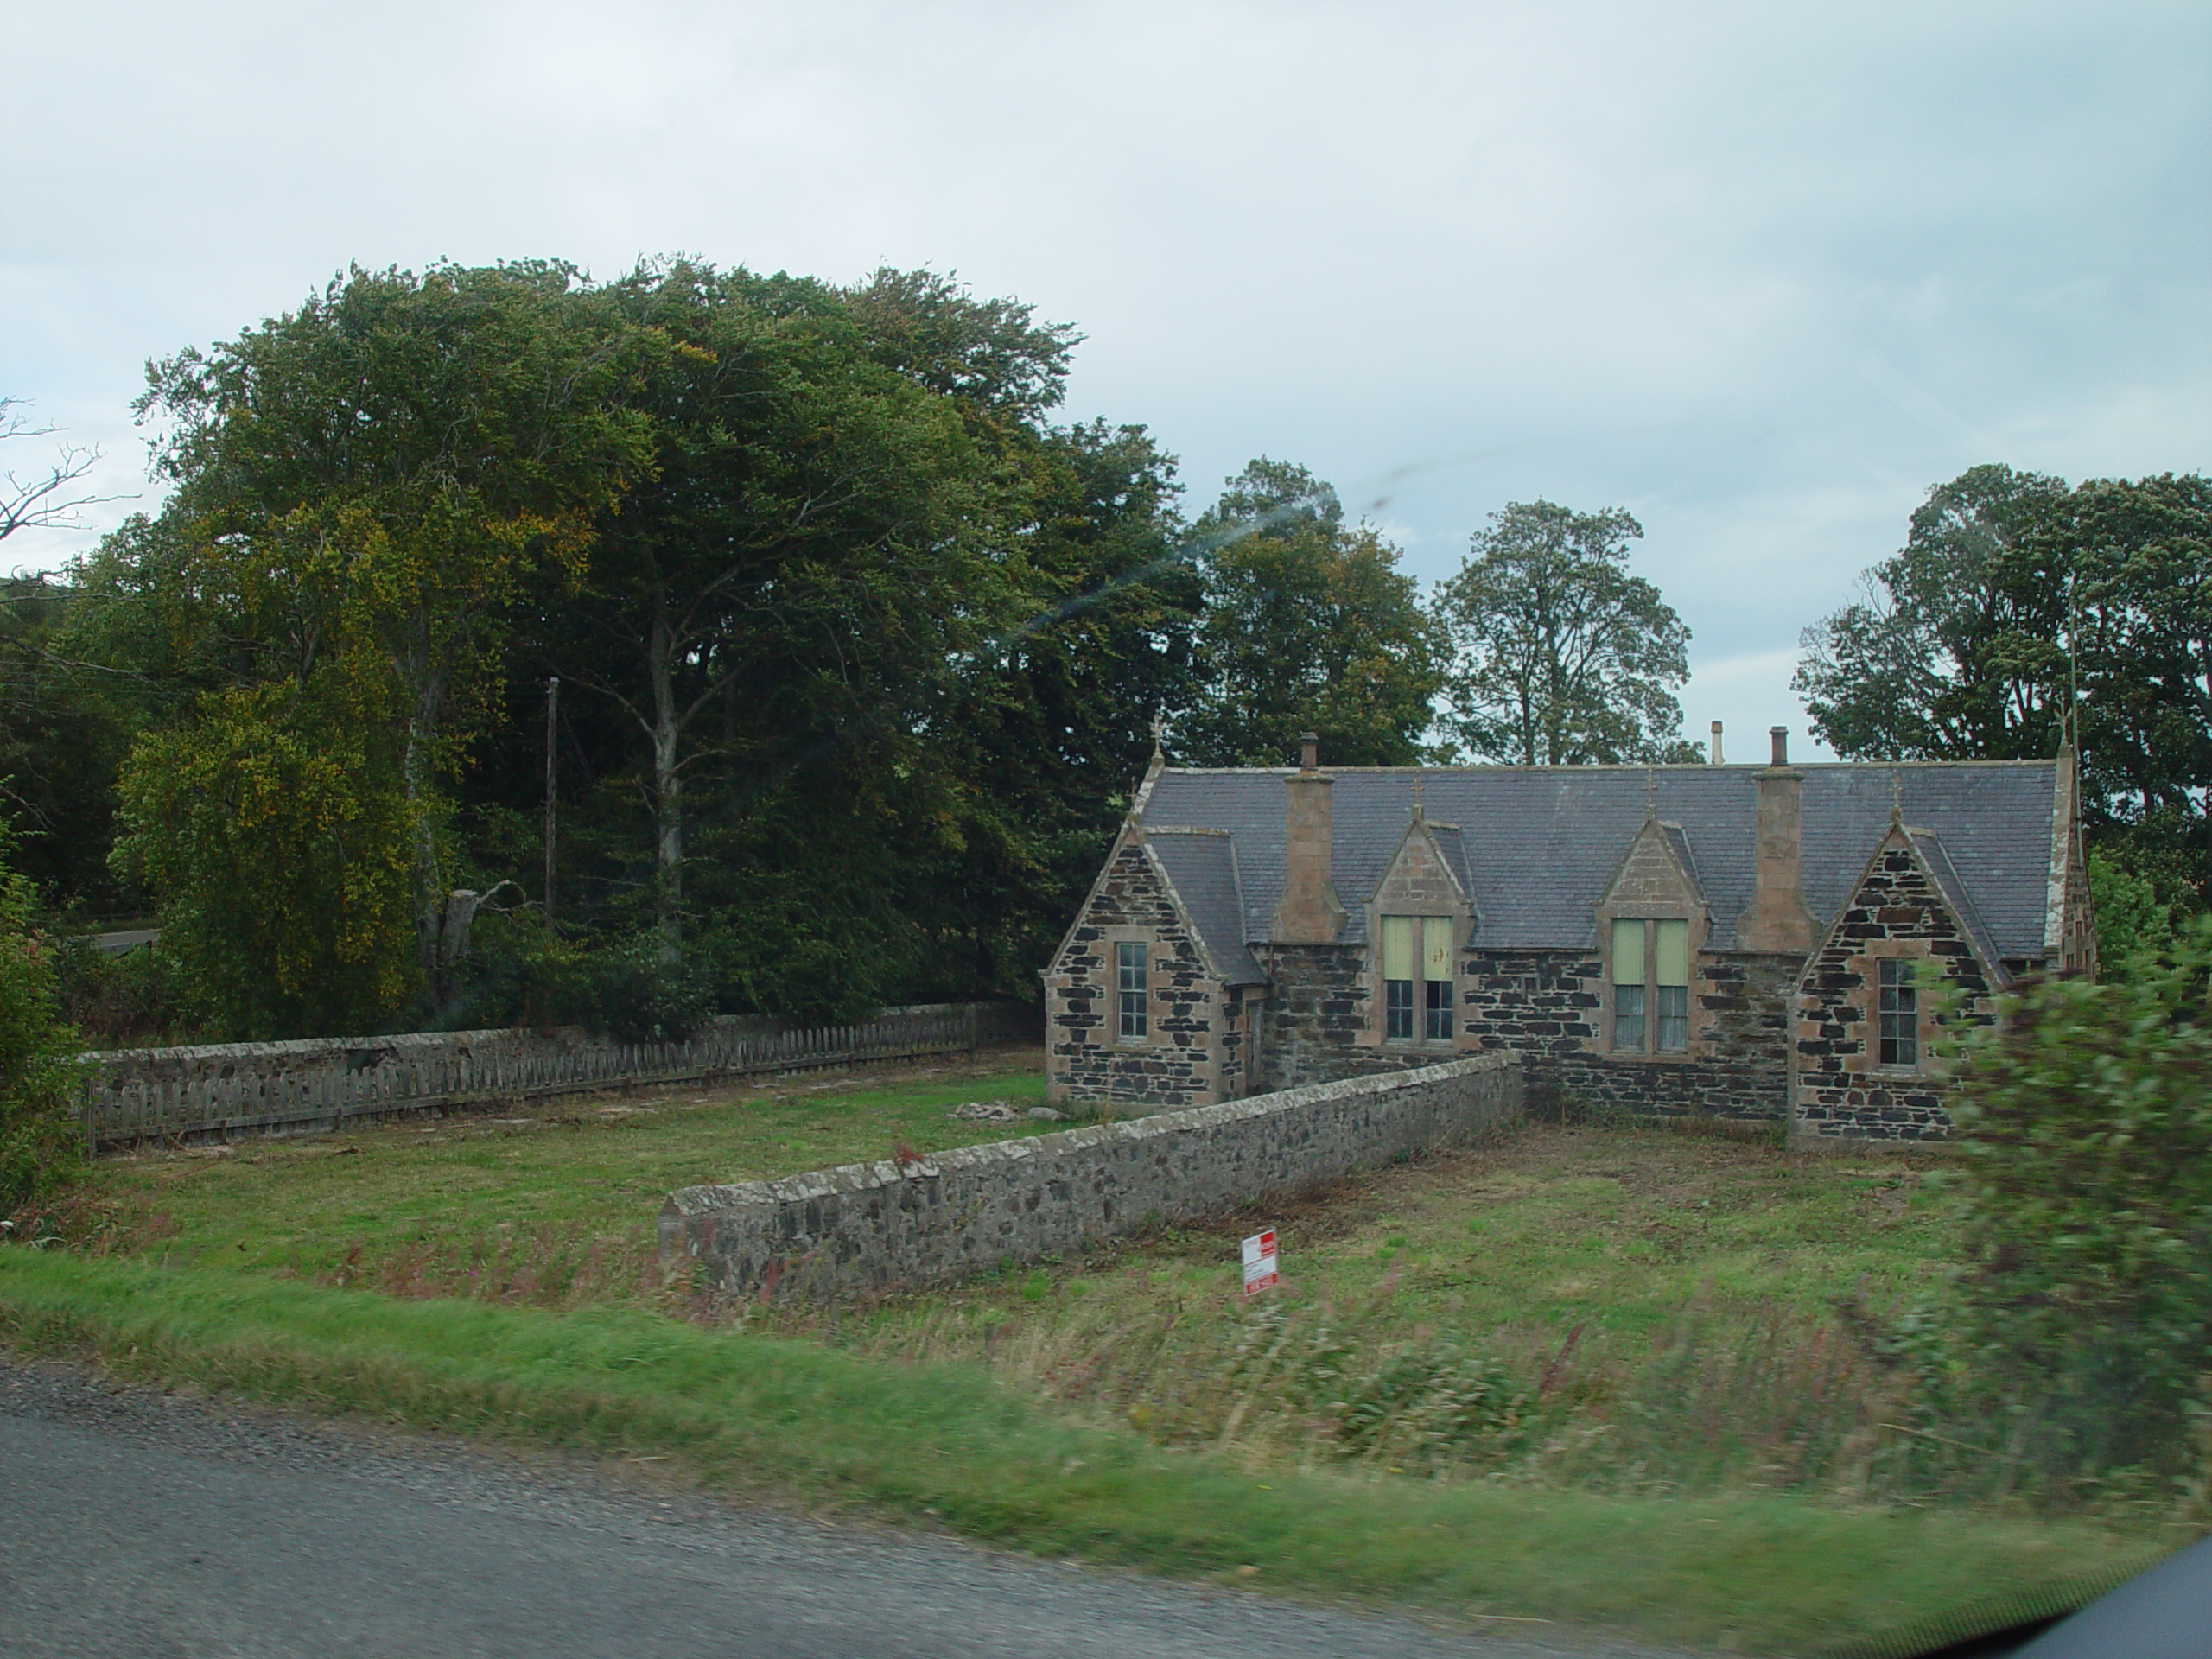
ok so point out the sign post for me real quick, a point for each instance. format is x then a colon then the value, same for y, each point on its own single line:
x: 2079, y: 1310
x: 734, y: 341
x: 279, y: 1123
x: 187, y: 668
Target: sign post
x: 1260, y: 1262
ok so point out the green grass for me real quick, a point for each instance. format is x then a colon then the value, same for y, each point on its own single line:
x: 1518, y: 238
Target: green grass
x: 572, y: 1187
x: 1638, y: 1310
x: 1765, y: 1574
x: 1594, y: 1374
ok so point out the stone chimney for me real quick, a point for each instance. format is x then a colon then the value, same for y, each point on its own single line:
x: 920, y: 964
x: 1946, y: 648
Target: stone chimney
x: 1714, y: 756
x: 1777, y: 918
x: 1309, y: 913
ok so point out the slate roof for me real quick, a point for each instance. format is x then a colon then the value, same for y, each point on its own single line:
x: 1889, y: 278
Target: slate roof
x: 1536, y: 845
x: 1201, y: 863
x: 1959, y: 898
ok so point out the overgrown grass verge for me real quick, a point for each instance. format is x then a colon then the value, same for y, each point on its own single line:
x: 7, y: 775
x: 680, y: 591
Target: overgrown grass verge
x: 1759, y: 1573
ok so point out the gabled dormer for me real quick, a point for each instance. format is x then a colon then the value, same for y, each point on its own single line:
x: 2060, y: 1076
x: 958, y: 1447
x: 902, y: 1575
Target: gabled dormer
x: 1651, y: 923
x: 1419, y: 918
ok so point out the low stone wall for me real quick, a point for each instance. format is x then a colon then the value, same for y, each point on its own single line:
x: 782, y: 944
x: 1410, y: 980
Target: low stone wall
x: 868, y: 1227
x: 231, y: 1088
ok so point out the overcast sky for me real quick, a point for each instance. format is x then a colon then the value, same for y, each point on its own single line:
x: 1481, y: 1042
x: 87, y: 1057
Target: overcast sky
x: 1760, y: 274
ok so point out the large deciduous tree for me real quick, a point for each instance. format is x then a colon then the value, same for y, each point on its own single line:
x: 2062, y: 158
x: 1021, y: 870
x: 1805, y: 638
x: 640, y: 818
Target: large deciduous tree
x: 365, y: 486
x: 1309, y: 626
x: 2021, y: 614
x: 1955, y: 650
x: 824, y: 527
x: 1560, y: 655
x: 1050, y: 724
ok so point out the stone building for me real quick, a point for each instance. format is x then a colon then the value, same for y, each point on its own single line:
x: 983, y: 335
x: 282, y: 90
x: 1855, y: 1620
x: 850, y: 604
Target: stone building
x: 1744, y: 942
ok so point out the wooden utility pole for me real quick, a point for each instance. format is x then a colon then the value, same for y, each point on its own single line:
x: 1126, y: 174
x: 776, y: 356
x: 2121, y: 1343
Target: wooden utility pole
x: 552, y: 783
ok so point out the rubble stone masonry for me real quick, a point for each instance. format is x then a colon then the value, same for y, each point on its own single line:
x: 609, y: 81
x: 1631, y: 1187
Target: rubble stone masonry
x: 873, y: 1227
x: 1178, y: 1061
x: 1842, y: 1090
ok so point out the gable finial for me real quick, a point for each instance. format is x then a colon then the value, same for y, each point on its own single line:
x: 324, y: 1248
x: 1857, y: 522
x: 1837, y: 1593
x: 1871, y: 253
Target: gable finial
x: 1159, y: 734
x: 1897, y: 797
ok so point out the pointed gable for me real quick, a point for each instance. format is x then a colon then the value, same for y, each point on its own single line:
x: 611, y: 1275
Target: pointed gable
x: 1420, y: 879
x: 1656, y: 874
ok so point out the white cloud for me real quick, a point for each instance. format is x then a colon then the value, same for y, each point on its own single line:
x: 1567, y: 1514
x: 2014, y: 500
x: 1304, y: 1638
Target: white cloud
x: 1447, y: 256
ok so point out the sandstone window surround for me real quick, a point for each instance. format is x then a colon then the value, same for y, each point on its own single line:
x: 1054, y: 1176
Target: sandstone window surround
x: 1650, y: 962
x: 1892, y: 1009
x: 1134, y: 972
x: 1417, y: 921
x: 1420, y: 988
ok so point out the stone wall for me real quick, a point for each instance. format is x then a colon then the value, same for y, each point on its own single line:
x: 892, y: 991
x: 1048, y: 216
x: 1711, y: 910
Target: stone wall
x: 1549, y: 1006
x: 227, y: 1088
x: 873, y: 1226
x: 1177, y: 1063
x: 1319, y: 1017
x: 1842, y: 1091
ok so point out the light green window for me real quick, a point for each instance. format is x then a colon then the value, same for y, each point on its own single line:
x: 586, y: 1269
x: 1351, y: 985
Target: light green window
x: 1417, y: 975
x: 1650, y: 971
x: 1628, y: 984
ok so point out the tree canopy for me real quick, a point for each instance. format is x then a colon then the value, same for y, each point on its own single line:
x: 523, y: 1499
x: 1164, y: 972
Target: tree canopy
x: 2022, y: 613
x: 1559, y: 656
x: 1309, y: 626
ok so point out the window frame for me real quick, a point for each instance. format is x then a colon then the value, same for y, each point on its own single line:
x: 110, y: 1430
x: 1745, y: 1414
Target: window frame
x: 1123, y: 1013
x: 1419, y: 1008
x: 1651, y: 1013
x: 1899, y: 975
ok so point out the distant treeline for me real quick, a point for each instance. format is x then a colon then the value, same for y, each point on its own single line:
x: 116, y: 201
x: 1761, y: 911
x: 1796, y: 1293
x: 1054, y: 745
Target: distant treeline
x: 859, y: 652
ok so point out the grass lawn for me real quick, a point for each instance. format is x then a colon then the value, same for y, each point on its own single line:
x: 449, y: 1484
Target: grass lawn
x: 564, y: 1192
x: 1621, y: 1358
x: 1621, y: 1309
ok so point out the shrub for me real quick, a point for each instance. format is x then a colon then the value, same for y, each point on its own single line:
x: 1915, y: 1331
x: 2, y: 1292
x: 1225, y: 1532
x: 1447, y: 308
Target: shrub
x: 524, y: 974
x: 39, y: 1138
x: 133, y: 1001
x: 2087, y: 1292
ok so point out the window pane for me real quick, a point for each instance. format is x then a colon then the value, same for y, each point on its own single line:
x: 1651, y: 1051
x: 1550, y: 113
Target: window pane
x: 1397, y: 1008
x: 1899, y: 1024
x: 1129, y: 973
x: 1628, y: 1016
x: 1673, y: 1003
x: 1436, y: 947
x: 1128, y: 958
x: 1672, y: 948
x: 1437, y: 1012
x: 1628, y: 953
x: 1397, y: 947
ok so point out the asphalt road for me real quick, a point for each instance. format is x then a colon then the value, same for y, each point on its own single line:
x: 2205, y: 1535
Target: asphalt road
x: 137, y: 1524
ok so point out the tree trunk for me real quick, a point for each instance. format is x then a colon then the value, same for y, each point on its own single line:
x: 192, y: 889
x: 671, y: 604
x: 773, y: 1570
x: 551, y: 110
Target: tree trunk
x: 429, y: 885
x: 668, y: 787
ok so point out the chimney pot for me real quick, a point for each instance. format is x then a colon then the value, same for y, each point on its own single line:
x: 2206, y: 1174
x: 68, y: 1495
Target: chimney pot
x: 1780, y: 734
x: 1715, y: 752
x: 1309, y: 751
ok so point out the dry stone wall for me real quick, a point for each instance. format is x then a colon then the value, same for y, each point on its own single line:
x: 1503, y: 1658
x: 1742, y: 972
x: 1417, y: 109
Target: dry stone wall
x: 259, y: 1088
x: 875, y: 1227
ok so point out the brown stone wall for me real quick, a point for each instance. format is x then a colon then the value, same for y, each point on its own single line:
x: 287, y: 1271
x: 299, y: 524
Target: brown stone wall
x: 1842, y: 1091
x: 1549, y: 1006
x: 1178, y: 1061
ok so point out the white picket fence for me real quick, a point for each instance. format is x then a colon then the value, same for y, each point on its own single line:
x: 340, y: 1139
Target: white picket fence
x: 137, y: 1094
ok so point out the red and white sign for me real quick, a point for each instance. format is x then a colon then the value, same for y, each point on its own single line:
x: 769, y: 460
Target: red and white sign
x: 1260, y: 1262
